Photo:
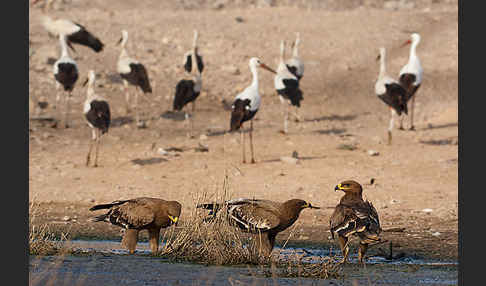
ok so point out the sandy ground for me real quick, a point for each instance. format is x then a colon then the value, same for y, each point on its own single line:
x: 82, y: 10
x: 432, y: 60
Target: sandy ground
x: 339, y: 47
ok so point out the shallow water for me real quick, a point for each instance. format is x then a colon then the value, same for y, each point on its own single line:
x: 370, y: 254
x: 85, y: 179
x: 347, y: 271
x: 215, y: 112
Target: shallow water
x: 107, y: 263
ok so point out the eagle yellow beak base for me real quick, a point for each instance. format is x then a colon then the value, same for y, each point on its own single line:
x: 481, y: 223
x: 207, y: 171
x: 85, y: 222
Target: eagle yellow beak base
x: 174, y: 219
x: 340, y: 187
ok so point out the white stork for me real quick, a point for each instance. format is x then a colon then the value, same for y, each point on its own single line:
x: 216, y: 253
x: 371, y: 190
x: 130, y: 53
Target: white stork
x: 66, y: 74
x: 187, y: 90
x: 246, y: 105
x: 132, y: 72
x: 391, y: 92
x: 287, y: 86
x: 188, y: 56
x: 74, y: 32
x: 295, y: 63
x: 411, y: 74
x: 96, y: 111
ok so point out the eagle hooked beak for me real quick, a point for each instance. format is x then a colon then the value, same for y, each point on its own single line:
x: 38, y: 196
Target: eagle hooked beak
x: 174, y: 219
x: 85, y: 82
x: 308, y: 205
x: 341, y: 188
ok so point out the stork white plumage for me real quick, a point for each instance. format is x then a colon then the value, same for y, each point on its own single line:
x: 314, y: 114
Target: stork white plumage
x: 411, y: 74
x: 390, y: 92
x: 96, y: 111
x: 132, y: 72
x: 295, y: 63
x: 187, y: 90
x: 246, y: 105
x: 287, y: 86
x: 66, y: 74
x: 74, y: 32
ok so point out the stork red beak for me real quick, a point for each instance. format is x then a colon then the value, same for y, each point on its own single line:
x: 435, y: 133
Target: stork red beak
x: 70, y: 46
x: 406, y: 43
x: 262, y: 65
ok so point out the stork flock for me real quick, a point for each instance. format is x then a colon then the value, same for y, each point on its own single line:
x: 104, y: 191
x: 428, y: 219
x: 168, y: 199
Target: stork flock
x: 395, y: 93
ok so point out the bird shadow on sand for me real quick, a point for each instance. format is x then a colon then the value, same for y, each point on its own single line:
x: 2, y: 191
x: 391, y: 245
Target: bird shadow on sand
x: 439, y: 142
x: 120, y: 121
x: 174, y: 115
x: 300, y: 158
x: 332, y: 117
x: 335, y: 131
x: 214, y: 133
x: 446, y: 125
x: 149, y: 161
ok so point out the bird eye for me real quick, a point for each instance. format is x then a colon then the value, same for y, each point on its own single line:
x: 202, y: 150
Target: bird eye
x: 247, y: 107
x: 233, y: 106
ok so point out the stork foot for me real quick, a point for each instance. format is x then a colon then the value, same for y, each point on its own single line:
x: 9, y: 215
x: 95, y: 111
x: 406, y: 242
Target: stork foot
x: 66, y: 126
x: 253, y: 161
x: 283, y: 132
x: 401, y: 128
x: 412, y: 128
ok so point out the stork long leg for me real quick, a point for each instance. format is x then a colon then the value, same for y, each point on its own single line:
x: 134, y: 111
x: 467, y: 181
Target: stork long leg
x: 192, y: 118
x: 98, y: 139
x: 286, y: 119
x: 390, y: 126
x: 251, y: 142
x: 140, y: 123
x: 296, y: 114
x: 242, y: 136
x: 412, y: 127
x: 127, y: 97
x: 58, y: 99
x: 66, y: 114
x: 93, y: 138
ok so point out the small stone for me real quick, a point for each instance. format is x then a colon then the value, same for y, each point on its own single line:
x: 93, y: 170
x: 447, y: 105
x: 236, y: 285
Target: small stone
x: 231, y: 69
x: 427, y: 210
x: 66, y: 218
x: 373, y: 153
x: 436, y: 233
x: 161, y: 151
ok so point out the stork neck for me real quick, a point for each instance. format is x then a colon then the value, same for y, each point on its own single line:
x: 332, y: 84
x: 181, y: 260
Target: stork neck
x: 295, y: 51
x: 90, y: 93
x: 64, y: 50
x: 123, y: 52
x: 382, y: 65
x: 194, y: 60
x: 282, y: 52
x: 254, y: 71
x: 413, y: 51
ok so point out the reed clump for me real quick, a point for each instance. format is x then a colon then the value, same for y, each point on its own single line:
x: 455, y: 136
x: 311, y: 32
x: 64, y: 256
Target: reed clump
x: 42, y: 241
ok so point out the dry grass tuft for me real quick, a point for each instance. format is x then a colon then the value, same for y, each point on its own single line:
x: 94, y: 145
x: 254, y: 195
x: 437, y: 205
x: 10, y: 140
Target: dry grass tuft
x: 211, y: 242
x: 41, y: 240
